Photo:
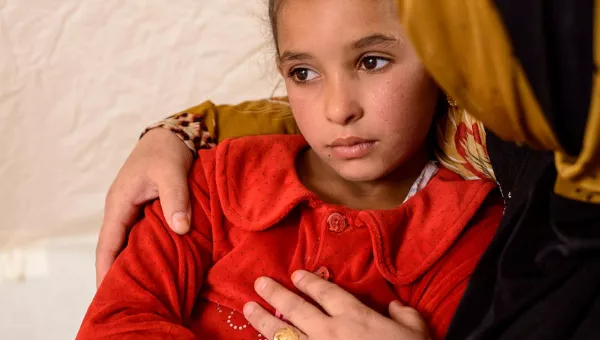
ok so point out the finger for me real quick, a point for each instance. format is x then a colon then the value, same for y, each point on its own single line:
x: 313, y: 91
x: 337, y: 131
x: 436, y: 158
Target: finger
x: 118, y: 218
x: 301, y: 313
x: 407, y: 316
x: 265, y: 323
x: 334, y: 300
x: 173, y: 192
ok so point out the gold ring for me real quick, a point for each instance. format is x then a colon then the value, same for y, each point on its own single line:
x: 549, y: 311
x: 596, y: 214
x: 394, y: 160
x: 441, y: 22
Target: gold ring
x: 287, y: 333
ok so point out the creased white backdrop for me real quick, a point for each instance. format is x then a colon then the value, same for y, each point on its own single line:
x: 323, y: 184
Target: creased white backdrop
x: 79, y: 80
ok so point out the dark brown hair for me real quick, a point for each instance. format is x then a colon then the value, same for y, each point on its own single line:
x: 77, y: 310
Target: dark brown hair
x: 273, y: 8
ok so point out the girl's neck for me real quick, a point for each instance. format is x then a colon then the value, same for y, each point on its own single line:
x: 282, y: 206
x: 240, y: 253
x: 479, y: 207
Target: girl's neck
x: 387, y: 192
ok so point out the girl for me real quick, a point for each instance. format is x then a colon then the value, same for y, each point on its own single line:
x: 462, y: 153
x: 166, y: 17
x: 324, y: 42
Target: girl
x: 355, y: 200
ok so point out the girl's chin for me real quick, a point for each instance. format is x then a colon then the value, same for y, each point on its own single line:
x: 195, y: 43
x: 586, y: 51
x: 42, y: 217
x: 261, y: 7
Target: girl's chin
x: 359, y: 172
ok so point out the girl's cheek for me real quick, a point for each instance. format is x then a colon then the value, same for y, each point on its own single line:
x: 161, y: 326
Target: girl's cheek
x: 305, y: 114
x: 303, y: 102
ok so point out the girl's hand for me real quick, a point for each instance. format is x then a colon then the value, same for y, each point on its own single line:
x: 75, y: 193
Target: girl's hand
x: 345, y: 318
x: 157, y: 167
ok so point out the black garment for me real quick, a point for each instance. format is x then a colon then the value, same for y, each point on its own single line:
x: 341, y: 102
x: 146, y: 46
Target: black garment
x: 540, y: 276
x: 553, y: 40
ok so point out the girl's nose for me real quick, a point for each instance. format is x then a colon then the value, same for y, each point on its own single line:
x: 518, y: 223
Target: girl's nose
x: 342, y: 106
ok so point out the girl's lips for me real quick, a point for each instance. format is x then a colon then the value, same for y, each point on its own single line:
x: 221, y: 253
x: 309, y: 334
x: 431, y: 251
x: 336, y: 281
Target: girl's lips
x: 351, y: 148
x: 348, y: 141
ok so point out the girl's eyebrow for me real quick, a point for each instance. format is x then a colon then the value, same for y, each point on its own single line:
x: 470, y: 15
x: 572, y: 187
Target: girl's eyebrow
x: 375, y: 40
x: 368, y: 41
x: 290, y: 56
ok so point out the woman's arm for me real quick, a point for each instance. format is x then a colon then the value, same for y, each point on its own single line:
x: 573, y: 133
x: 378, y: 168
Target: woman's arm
x: 151, y: 289
x: 160, y: 162
x: 201, y: 126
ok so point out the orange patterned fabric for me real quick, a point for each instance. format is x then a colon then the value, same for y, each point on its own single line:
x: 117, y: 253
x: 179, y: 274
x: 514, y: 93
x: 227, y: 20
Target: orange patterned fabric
x: 462, y: 144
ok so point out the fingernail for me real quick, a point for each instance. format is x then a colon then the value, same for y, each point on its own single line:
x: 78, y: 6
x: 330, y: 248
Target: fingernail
x: 180, y: 221
x: 297, y: 276
x: 261, y: 283
x: 396, y: 304
x: 248, y: 309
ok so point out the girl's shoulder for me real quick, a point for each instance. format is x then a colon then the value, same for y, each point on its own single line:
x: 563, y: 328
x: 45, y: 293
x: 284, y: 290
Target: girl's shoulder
x: 252, y: 153
x: 252, y: 180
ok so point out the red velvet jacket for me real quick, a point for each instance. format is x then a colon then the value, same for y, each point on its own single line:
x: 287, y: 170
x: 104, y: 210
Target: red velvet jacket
x: 253, y: 217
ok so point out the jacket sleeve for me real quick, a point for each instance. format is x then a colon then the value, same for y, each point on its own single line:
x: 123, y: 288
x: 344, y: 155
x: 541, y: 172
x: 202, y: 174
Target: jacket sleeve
x: 151, y: 288
x: 202, y: 126
x: 439, y: 292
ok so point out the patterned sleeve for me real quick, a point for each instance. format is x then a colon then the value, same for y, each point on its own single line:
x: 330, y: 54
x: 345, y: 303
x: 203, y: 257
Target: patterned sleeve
x: 190, y: 128
x: 194, y: 126
x: 202, y: 126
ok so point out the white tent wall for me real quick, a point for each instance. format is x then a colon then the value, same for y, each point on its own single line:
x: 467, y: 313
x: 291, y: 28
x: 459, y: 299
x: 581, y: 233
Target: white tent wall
x: 79, y: 80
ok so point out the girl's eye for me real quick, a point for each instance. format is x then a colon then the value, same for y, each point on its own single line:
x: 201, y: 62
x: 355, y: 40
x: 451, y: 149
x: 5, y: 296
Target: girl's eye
x: 303, y: 75
x: 371, y: 63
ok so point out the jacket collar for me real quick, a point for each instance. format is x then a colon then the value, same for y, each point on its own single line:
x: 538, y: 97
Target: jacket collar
x: 257, y: 190
x: 254, y: 181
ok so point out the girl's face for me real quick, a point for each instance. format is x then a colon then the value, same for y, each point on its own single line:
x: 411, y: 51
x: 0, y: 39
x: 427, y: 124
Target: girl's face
x: 359, y: 94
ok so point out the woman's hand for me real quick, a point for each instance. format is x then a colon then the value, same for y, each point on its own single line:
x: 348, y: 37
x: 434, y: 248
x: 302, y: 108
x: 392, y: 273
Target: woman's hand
x: 346, y: 318
x: 157, y: 166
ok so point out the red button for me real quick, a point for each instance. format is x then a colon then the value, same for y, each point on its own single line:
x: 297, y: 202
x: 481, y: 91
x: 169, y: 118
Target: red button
x: 323, y: 273
x: 337, y: 223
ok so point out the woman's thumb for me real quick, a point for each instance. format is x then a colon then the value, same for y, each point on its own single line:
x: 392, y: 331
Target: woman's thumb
x: 407, y: 316
x: 174, y: 199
